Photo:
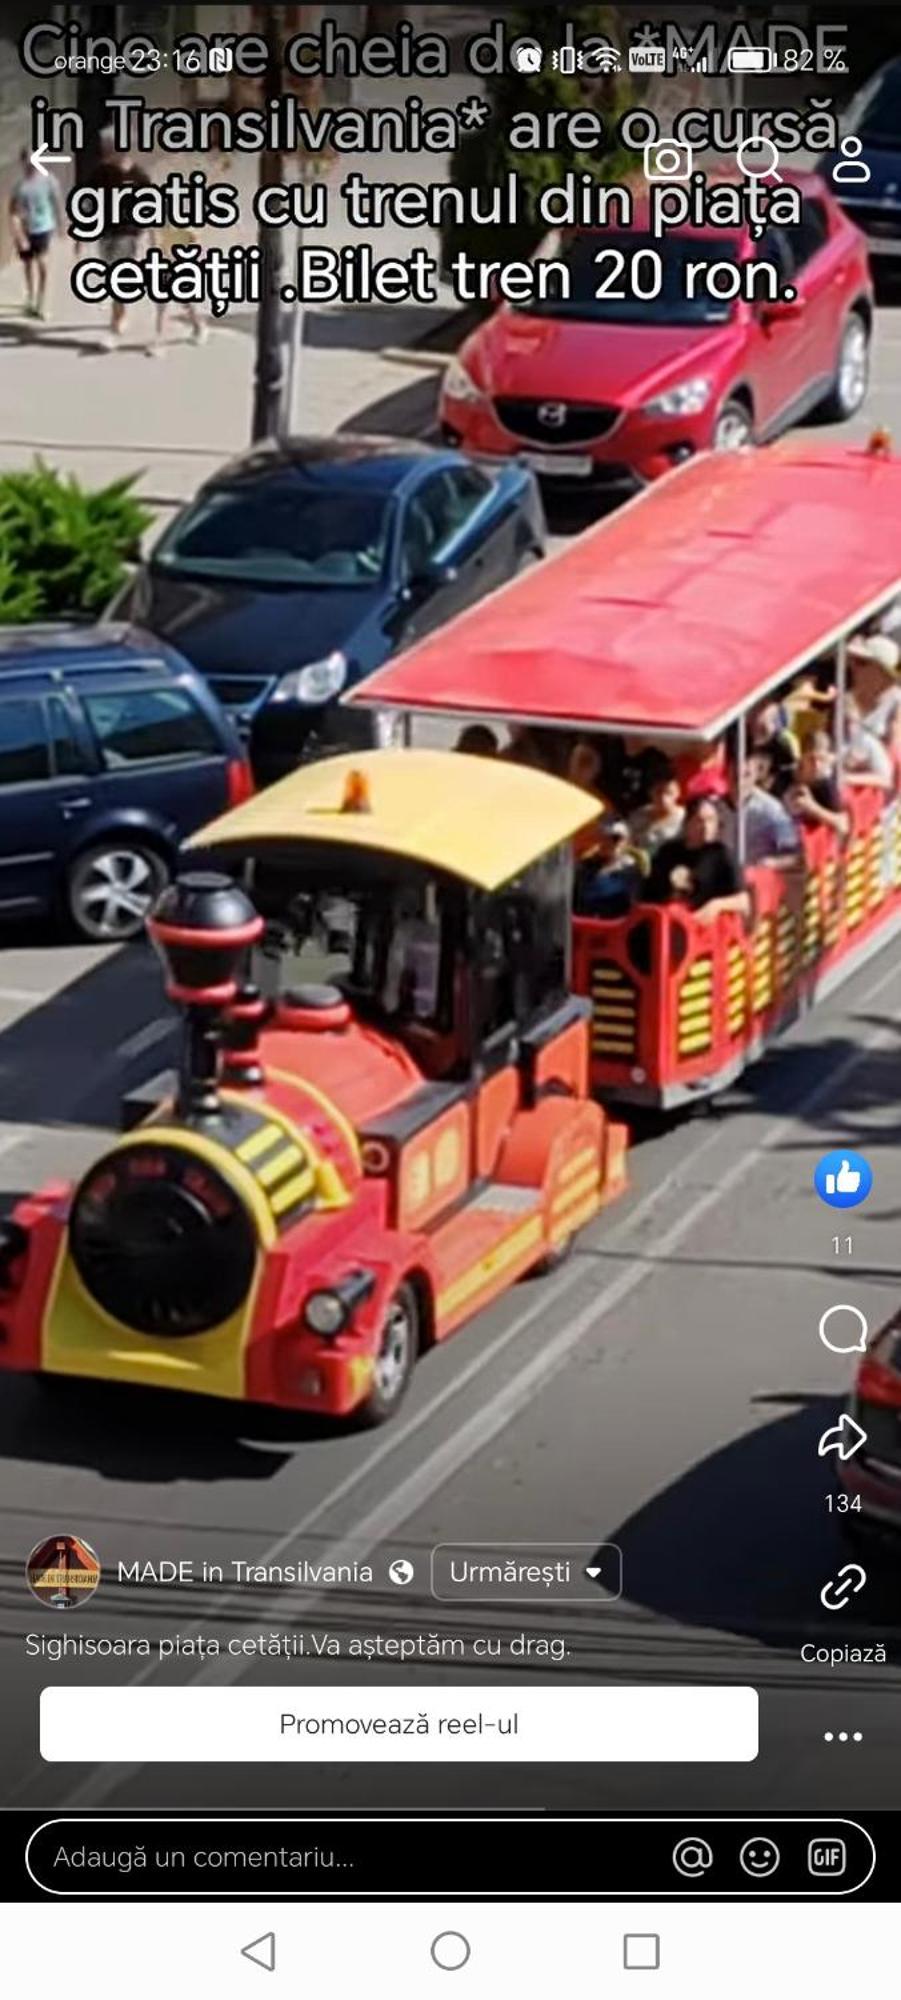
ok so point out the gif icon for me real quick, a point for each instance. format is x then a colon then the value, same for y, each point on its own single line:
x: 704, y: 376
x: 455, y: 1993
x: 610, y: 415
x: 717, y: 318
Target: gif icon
x: 827, y: 1857
x: 222, y: 59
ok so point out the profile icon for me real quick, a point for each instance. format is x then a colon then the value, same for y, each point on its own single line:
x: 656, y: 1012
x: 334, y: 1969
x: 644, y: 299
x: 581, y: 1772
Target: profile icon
x: 63, y: 1572
x: 852, y: 168
x: 527, y: 57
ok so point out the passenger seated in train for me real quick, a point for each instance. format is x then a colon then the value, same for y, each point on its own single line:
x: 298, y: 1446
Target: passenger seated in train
x: 698, y: 868
x: 609, y: 875
x: 814, y: 798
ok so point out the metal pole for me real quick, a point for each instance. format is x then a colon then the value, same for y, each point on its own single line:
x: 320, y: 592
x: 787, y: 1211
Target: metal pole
x: 741, y: 751
x: 841, y: 690
x: 295, y: 349
x: 269, y: 358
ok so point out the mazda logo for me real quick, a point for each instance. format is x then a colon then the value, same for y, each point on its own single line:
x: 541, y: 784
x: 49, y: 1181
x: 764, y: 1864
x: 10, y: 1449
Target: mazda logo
x: 552, y: 414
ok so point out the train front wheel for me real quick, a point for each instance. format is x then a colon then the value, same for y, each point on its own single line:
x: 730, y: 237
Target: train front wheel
x: 396, y: 1359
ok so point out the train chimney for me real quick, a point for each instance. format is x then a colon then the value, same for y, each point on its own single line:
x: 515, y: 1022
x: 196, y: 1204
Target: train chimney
x: 201, y: 928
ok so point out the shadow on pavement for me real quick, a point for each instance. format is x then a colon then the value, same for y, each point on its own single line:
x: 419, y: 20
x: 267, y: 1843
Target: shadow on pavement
x: 68, y: 1060
x: 867, y: 1112
x: 147, y: 1436
x: 408, y: 412
x: 43, y: 333
x: 356, y: 329
x: 742, y: 1542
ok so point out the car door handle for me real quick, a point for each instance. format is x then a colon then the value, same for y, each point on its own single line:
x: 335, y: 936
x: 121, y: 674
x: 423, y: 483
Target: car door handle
x: 71, y: 807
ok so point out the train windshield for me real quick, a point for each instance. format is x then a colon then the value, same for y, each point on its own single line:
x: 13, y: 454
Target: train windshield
x: 382, y: 944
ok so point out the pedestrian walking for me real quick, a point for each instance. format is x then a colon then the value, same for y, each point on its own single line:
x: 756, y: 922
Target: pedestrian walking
x: 168, y: 239
x: 36, y: 212
x: 119, y: 178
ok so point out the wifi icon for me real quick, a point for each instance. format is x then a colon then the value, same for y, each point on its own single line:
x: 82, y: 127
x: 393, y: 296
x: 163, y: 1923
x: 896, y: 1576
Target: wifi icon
x: 604, y: 61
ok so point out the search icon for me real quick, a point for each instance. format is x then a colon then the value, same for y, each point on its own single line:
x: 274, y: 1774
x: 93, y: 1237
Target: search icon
x: 757, y: 143
x: 847, y: 1339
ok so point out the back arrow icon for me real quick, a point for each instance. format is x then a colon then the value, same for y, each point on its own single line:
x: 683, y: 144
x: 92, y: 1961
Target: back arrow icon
x: 844, y: 1438
x: 261, y: 1951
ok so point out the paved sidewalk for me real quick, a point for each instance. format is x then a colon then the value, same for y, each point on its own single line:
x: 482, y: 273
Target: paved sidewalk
x: 172, y: 419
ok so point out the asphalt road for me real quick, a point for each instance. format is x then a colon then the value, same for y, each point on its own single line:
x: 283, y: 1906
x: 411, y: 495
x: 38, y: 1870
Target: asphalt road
x: 665, y: 1390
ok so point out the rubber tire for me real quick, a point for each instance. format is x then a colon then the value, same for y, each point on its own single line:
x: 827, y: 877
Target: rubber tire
x: 733, y: 407
x: 553, y: 1259
x: 376, y: 1410
x: 832, y: 409
x: 78, y: 868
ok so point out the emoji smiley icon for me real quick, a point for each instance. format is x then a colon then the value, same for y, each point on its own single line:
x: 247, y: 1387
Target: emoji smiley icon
x: 760, y: 1857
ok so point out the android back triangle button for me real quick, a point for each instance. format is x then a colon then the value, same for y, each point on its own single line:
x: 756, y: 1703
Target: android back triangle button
x: 261, y: 1951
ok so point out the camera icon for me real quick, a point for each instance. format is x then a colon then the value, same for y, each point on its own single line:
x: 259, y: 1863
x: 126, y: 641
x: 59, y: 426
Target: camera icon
x: 667, y: 160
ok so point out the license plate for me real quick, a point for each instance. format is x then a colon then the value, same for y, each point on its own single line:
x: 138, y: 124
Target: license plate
x: 883, y: 246
x: 560, y: 464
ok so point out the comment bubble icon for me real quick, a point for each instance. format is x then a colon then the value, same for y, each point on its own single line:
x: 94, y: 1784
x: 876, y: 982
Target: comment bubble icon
x: 844, y: 1330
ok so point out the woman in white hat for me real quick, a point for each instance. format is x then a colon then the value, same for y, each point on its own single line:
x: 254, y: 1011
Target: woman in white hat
x: 875, y: 660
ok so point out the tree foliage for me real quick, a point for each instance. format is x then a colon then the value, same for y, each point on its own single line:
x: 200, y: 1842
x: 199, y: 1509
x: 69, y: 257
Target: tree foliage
x: 484, y: 158
x: 62, y: 547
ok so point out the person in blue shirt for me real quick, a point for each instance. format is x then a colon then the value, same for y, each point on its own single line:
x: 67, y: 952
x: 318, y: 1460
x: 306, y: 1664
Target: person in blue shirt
x: 36, y: 212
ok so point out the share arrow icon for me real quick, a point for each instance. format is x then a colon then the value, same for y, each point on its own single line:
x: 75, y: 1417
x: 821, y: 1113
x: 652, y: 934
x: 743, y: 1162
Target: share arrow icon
x: 844, y: 1438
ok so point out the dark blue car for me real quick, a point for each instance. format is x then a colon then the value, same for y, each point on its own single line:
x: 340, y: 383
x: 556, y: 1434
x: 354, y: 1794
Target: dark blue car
x: 868, y: 184
x: 299, y: 568
x: 112, y: 750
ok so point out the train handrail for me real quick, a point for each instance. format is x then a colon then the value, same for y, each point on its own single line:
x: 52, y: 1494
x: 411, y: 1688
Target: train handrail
x: 678, y: 997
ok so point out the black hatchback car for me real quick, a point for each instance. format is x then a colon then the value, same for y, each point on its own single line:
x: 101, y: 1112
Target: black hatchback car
x: 301, y: 567
x: 869, y: 185
x: 112, y: 750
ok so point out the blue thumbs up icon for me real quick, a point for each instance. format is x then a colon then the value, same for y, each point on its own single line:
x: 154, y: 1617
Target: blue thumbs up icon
x: 843, y: 1179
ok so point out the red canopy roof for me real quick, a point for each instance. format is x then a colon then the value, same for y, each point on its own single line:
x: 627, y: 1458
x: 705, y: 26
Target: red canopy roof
x: 672, y: 615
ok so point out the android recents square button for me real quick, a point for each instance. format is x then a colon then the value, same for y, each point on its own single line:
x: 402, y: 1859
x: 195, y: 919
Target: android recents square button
x: 641, y: 1951
x: 399, y: 1725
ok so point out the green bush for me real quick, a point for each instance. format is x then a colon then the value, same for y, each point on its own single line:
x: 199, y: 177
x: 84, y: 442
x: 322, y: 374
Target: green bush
x: 484, y: 157
x: 62, y: 548
x: 20, y: 598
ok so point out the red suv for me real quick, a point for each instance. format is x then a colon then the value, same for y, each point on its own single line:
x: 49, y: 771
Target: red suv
x: 614, y: 391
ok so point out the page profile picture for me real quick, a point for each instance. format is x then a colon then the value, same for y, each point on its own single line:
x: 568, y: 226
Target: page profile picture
x: 63, y: 1572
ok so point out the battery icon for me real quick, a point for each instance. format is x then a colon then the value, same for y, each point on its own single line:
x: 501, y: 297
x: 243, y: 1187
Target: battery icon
x: 746, y: 59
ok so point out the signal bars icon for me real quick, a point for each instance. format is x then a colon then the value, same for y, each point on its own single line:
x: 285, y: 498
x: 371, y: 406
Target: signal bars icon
x: 699, y: 65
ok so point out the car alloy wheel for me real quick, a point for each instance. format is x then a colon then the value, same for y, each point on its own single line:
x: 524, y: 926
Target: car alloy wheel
x: 112, y: 891
x: 853, y: 367
x: 733, y: 429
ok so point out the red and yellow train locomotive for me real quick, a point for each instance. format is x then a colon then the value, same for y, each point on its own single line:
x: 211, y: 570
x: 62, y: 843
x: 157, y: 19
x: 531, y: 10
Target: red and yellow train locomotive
x: 351, y: 1163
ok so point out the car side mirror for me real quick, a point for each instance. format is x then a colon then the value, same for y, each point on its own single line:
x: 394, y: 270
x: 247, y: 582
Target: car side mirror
x: 434, y: 576
x: 775, y: 312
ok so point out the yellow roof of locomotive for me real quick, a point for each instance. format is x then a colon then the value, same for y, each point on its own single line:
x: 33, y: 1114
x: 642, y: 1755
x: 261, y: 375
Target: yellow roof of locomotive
x: 480, y: 818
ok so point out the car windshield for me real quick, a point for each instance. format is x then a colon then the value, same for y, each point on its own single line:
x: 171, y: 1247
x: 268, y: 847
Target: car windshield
x: 671, y: 308
x: 281, y: 530
x: 876, y: 114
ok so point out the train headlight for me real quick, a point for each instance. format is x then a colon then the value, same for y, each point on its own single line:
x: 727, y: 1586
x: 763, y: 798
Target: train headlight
x: 326, y: 1314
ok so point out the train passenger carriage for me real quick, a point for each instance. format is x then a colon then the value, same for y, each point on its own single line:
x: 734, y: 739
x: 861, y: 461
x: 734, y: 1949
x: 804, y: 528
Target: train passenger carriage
x: 668, y: 625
